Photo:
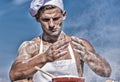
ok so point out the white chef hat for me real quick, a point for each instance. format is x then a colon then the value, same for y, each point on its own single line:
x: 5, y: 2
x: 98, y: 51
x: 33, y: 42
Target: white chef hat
x: 37, y: 4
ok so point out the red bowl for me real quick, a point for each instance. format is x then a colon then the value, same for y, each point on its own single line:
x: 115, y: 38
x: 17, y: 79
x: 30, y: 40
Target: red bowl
x: 68, y: 79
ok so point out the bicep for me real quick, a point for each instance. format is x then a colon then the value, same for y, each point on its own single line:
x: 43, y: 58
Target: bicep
x: 26, y: 51
x: 22, y: 53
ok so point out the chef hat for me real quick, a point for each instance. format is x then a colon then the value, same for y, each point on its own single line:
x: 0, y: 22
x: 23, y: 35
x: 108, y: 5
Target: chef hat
x: 37, y: 4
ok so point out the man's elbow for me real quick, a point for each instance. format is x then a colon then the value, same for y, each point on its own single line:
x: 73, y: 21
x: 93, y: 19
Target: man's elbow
x: 12, y: 76
x: 15, y: 75
x: 106, y: 72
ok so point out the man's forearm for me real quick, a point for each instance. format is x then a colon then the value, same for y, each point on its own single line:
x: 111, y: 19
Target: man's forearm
x: 23, y: 70
x: 99, y: 65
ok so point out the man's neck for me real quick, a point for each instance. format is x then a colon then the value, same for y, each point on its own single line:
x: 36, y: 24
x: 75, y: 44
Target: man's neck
x: 52, y: 39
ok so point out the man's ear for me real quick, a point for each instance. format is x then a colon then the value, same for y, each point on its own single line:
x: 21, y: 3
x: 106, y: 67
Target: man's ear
x: 37, y: 17
x: 64, y: 15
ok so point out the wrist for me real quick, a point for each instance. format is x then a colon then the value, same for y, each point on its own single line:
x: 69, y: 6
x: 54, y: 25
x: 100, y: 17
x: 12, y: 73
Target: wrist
x: 85, y: 57
x: 44, y: 58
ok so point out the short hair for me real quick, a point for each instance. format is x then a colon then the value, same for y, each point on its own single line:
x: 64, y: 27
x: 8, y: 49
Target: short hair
x: 43, y: 8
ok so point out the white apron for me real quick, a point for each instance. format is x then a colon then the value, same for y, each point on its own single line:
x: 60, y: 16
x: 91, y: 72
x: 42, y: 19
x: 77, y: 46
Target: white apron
x: 57, y: 68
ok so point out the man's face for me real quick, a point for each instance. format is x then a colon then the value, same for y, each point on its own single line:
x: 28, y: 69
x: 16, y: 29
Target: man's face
x: 51, y: 21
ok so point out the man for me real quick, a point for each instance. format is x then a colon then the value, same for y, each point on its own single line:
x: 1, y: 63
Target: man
x: 54, y: 51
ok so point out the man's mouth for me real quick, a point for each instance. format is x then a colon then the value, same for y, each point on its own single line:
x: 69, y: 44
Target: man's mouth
x: 53, y: 30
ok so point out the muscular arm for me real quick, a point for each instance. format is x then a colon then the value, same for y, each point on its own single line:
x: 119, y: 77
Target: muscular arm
x: 23, y: 67
x: 28, y: 58
x: 98, y: 64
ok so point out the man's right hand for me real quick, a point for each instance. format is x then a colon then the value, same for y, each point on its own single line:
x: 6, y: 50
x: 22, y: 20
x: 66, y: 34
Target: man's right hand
x: 56, y: 50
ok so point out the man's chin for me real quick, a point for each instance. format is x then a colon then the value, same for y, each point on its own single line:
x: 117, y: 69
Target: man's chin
x: 54, y: 33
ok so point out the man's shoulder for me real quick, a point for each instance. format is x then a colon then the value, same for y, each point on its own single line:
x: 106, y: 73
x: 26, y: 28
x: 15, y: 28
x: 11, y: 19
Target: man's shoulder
x: 34, y: 41
x: 84, y: 41
x: 81, y: 39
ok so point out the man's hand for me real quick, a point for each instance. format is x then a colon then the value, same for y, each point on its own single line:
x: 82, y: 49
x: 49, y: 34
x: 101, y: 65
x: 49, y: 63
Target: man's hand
x: 56, y: 50
x: 79, y: 47
x: 98, y: 64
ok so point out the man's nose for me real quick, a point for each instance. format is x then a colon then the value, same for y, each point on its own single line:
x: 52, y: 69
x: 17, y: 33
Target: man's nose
x: 51, y: 23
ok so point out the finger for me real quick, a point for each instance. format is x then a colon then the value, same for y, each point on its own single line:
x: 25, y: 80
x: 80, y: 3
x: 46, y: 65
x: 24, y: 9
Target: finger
x: 77, y: 45
x: 61, y: 43
x: 59, y: 50
x: 55, y: 51
x: 77, y: 40
x: 61, y: 54
x: 63, y: 47
x: 78, y: 51
x: 81, y: 53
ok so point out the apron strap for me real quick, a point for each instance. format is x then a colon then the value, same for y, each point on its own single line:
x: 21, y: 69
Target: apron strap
x: 71, y: 52
x: 41, y: 46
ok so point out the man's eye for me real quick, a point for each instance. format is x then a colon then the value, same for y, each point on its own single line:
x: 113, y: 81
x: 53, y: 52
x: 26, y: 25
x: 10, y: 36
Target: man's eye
x: 45, y: 20
x: 55, y: 19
